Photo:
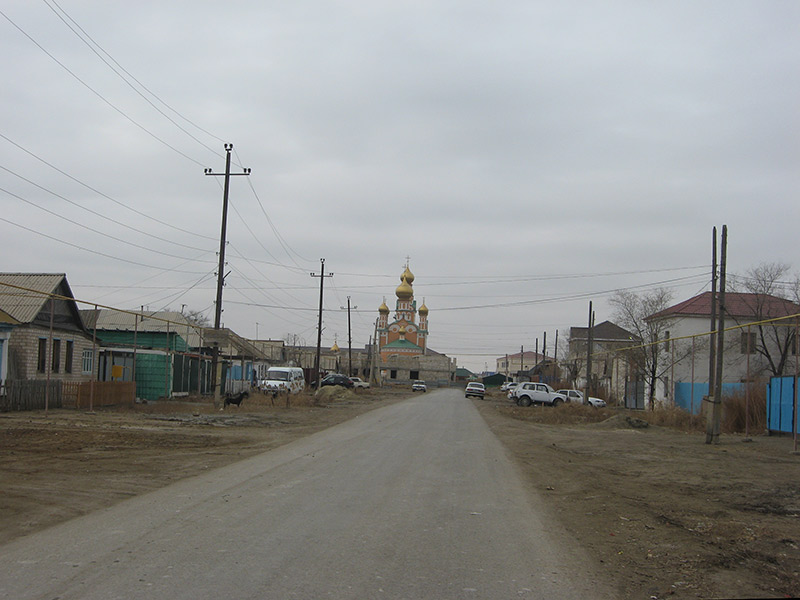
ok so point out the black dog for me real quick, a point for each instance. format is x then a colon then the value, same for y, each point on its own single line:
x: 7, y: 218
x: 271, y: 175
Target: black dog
x: 235, y: 398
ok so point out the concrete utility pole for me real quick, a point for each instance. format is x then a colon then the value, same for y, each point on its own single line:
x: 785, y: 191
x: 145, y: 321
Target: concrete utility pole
x: 712, y: 339
x: 589, y: 354
x: 349, y: 339
x: 216, y: 372
x: 322, y: 277
x: 713, y: 424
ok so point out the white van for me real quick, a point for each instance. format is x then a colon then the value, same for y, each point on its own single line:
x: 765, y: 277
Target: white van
x: 283, y: 379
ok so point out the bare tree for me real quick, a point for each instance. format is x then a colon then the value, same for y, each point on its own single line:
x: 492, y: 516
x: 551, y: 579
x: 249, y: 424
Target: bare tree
x: 632, y: 312
x: 196, y: 317
x: 763, y: 285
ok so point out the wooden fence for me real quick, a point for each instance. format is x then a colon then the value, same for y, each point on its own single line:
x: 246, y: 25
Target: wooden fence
x: 30, y: 395
x: 94, y: 394
x: 33, y: 394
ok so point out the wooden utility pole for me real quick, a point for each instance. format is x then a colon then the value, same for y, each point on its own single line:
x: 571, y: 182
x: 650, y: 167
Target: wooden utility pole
x: 713, y: 423
x: 322, y: 277
x: 216, y: 371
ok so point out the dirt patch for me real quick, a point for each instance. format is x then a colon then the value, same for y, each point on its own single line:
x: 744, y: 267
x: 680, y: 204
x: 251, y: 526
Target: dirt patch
x: 668, y: 515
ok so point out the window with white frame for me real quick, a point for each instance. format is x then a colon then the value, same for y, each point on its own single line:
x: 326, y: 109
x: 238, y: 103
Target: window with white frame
x: 88, y: 361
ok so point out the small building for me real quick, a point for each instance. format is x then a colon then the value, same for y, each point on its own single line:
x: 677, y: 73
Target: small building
x: 611, y: 368
x: 514, y: 365
x: 42, y: 336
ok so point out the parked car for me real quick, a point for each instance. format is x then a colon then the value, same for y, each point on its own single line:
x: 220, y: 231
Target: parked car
x: 419, y: 386
x: 359, y: 383
x: 336, y: 379
x: 475, y: 389
x: 530, y: 392
x: 577, y: 397
x: 508, y: 386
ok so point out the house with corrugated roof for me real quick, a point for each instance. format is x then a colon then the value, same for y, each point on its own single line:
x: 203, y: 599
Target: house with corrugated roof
x: 168, y: 355
x: 751, y: 351
x: 42, y: 336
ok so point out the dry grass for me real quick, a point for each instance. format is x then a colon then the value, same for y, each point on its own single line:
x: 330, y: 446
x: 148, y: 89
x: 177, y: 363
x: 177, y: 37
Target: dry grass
x: 737, y: 409
x: 745, y: 412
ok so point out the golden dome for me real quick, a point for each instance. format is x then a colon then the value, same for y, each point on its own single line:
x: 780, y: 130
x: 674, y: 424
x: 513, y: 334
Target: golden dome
x: 404, y: 290
x: 423, y: 310
x: 402, y: 330
x: 407, y: 275
x: 335, y: 347
x: 383, y: 309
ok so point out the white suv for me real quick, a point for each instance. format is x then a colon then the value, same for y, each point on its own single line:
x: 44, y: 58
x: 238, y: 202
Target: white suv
x: 530, y: 392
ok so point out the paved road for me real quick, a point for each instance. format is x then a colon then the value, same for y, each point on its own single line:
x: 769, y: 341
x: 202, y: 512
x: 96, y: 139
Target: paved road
x: 414, y: 500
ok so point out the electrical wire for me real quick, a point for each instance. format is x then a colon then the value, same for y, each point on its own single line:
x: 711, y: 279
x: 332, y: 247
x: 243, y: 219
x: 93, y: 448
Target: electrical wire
x: 82, y: 225
x: 101, y: 194
x: 111, y: 256
x: 99, y: 95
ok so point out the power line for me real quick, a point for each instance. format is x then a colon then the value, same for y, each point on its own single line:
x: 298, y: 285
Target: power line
x: 125, y: 260
x: 129, y: 74
x: 98, y: 94
x: 99, y: 193
x: 102, y: 233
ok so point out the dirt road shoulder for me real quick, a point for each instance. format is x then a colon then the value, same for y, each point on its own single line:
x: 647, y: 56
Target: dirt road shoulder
x: 666, y: 514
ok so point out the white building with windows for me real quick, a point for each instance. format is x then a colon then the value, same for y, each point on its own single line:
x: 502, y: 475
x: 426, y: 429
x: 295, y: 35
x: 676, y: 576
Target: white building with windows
x: 752, y: 352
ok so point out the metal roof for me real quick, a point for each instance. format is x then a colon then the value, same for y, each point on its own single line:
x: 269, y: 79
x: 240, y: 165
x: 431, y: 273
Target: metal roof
x: 23, y: 295
x: 737, y: 304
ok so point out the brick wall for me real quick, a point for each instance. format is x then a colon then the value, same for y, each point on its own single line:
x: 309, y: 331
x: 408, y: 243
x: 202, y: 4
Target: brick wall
x: 23, y: 353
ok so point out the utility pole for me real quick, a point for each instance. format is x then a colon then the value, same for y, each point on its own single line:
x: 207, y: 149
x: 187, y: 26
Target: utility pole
x: 589, y: 355
x: 713, y: 425
x: 712, y: 339
x: 349, y: 339
x: 555, y: 355
x: 322, y: 277
x: 374, y: 374
x: 544, y: 351
x: 217, y: 365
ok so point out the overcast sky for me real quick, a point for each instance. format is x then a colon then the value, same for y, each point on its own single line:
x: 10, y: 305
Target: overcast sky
x: 527, y: 156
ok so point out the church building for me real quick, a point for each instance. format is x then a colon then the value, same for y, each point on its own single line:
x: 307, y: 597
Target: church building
x: 403, y: 341
x: 403, y: 336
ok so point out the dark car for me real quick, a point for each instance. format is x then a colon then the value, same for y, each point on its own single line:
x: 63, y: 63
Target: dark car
x: 336, y: 379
